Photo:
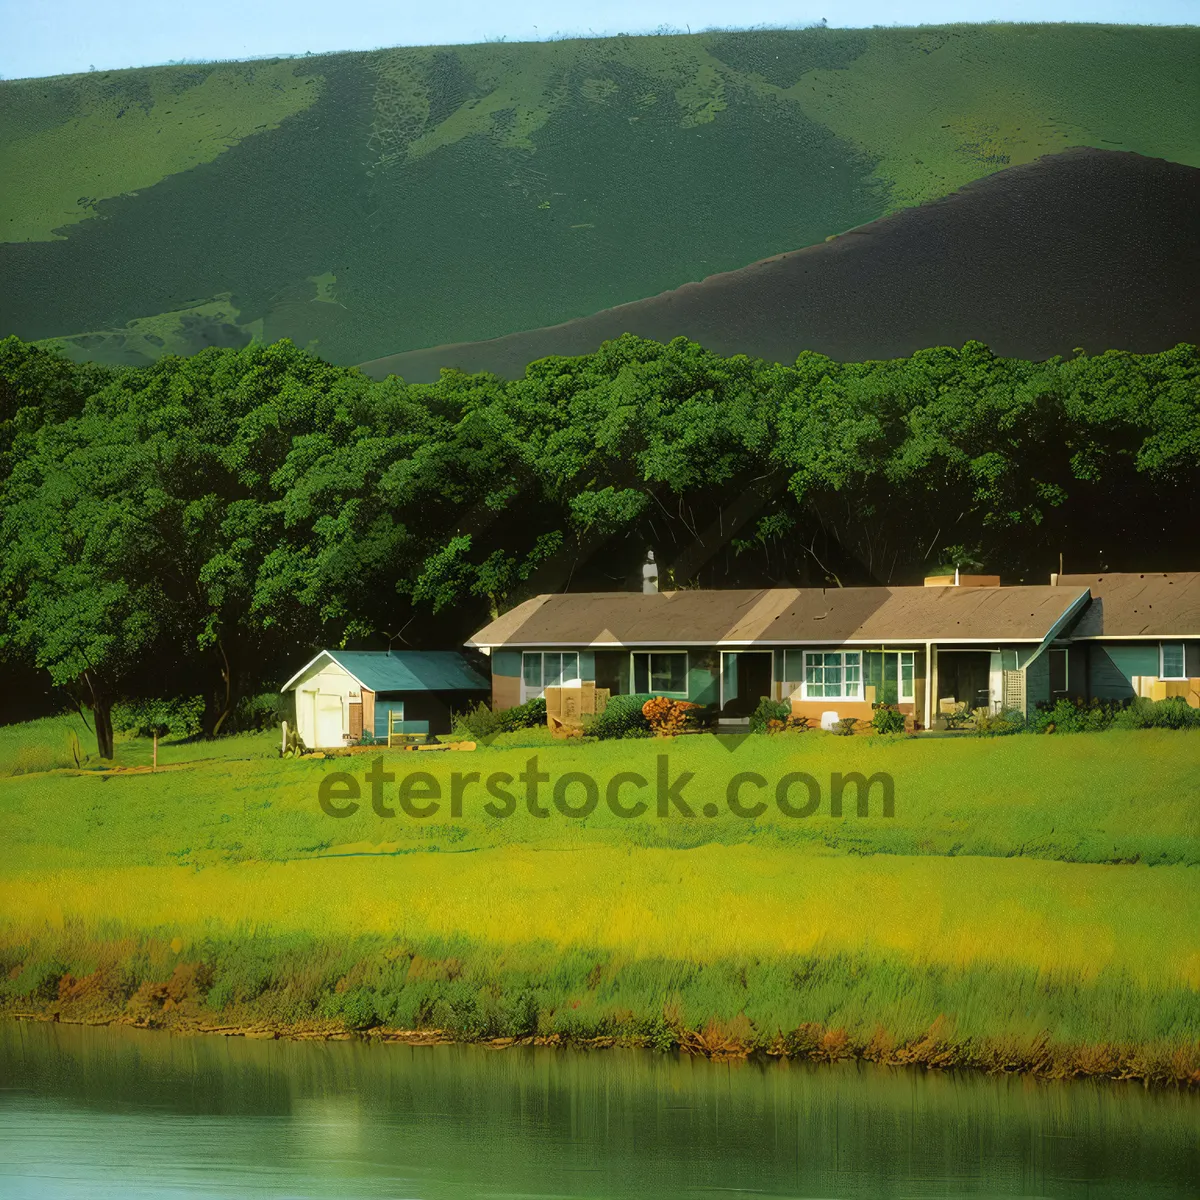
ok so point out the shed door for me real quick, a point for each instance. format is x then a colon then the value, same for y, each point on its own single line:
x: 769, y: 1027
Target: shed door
x: 329, y: 721
x: 356, y: 720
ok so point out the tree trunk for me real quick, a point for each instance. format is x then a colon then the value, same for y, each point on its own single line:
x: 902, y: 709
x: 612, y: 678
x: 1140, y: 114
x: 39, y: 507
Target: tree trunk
x: 224, y: 705
x: 102, y: 716
x: 98, y: 701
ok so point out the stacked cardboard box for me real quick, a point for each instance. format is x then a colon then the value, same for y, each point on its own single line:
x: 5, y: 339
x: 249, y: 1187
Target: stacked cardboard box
x: 567, y: 706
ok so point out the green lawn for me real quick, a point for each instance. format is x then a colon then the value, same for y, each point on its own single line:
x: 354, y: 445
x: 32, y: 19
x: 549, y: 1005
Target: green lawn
x: 1103, y: 798
x: 1028, y: 892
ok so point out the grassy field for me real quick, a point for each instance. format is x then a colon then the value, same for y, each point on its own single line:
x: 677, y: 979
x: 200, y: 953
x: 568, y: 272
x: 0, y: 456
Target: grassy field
x: 1030, y: 896
x: 187, y: 185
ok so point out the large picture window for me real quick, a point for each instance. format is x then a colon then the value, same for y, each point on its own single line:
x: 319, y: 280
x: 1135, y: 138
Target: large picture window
x: 832, y: 674
x: 550, y: 668
x: 1171, y: 665
x: 660, y: 672
x: 844, y: 674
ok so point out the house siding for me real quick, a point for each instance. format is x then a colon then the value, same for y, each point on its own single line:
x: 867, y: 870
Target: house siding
x: 424, y: 712
x: 1112, y: 666
x: 506, y: 679
x: 1037, y: 682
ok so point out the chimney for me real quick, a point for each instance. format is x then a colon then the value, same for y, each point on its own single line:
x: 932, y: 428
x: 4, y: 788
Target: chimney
x: 649, y: 574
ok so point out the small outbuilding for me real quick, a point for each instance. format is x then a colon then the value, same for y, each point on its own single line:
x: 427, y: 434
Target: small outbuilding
x: 343, y: 695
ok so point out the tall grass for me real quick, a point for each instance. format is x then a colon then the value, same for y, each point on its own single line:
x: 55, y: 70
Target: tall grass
x: 867, y: 1005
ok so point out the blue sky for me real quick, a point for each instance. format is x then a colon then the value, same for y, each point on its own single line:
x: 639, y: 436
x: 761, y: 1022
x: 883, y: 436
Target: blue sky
x: 53, y: 37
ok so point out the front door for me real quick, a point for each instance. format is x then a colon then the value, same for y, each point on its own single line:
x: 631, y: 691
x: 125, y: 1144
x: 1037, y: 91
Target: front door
x: 329, y: 720
x: 746, y: 677
x: 965, y: 677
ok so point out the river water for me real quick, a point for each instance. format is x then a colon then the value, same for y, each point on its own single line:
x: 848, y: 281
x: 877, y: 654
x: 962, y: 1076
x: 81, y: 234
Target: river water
x: 115, y: 1112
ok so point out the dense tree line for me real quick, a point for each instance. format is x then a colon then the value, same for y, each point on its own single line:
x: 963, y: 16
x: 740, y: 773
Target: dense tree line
x: 201, y: 524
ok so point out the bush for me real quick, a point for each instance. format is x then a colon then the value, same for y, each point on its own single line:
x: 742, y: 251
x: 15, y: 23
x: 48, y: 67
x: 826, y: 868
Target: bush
x: 180, y: 718
x: 482, y: 721
x: 769, y: 711
x: 256, y: 714
x: 1173, y: 713
x: 622, y: 717
x: 1074, y: 716
x: 525, y: 716
x: 1011, y: 720
x: 668, y: 717
x: 886, y: 718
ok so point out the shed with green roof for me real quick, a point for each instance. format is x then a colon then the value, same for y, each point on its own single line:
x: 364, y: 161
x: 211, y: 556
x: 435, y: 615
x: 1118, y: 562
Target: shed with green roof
x: 345, y: 697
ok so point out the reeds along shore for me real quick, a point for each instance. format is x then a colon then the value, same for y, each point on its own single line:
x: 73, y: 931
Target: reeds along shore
x: 822, y: 1008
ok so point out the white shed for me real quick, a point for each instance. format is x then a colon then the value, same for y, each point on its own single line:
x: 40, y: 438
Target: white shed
x: 344, y: 697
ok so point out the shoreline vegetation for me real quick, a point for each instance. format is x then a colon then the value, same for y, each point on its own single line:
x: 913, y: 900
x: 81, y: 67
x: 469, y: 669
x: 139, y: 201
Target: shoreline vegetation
x: 1031, y: 907
x: 496, y: 1018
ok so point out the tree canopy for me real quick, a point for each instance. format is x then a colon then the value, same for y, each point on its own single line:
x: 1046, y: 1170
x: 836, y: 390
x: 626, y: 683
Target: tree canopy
x: 205, y: 522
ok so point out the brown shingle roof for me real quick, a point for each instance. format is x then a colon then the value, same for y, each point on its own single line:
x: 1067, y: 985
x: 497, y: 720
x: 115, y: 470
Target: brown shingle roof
x: 782, y: 616
x: 1139, y: 605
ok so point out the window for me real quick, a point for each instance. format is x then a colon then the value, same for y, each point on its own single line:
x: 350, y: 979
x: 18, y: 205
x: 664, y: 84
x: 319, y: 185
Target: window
x: 832, y: 675
x: 1059, y: 675
x: 1171, y: 661
x: 540, y: 670
x: 660, y: 672
x: 842, y: 674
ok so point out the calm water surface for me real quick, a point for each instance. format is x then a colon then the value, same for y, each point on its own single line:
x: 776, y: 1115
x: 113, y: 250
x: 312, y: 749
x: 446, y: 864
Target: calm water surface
x: 112, y: 1112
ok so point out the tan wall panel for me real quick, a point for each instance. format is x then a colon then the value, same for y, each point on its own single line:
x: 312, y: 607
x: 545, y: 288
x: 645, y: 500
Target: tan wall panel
x: 506, y: 691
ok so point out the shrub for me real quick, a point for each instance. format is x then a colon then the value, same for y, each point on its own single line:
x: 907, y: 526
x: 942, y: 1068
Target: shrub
x: 622, y: 717
x: 180, y: 718
x: 1010, y: 720
x: 668, y: 717
x: 1073, y: 716
x: 1172, y: 713
x: 886, y: 718
x: 525, y: 716
x: 256, y: 714
x: 482, y: 721
x: 478, y: 723
x: 770, y: 712
x: 845, y: 726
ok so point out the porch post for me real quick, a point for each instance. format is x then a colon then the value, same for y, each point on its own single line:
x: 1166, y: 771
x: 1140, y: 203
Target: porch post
x: 930, y: 685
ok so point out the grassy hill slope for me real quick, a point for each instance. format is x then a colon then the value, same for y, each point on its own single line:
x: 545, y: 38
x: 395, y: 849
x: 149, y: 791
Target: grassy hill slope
x: 369, y: 203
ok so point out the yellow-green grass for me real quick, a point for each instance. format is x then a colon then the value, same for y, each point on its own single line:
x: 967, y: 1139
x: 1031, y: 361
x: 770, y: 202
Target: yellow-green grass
x: 1028, y: 892
x: 703, y: 904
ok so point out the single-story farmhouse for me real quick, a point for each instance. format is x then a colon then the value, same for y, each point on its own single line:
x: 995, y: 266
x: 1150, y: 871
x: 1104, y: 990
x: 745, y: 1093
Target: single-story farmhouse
x: 833, y: 652
x: 343, y: 694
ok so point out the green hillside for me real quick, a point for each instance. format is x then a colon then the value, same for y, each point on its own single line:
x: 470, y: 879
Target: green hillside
x: 368, y: 203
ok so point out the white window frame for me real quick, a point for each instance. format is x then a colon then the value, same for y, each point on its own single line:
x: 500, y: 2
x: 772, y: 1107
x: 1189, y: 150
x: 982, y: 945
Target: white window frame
x: 532, y: 691
x: 903, y: 658
x: 1162, y: 664
x: 679, y: 694
x: 857, y: 694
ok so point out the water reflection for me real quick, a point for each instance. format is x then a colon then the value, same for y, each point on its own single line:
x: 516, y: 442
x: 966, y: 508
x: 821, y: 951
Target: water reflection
x: 108, y: 1112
